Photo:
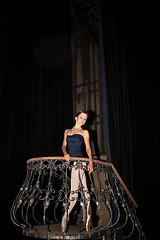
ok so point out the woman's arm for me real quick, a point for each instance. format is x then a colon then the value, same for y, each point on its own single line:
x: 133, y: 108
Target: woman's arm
x: 88, y: 150
x: 64, y: 145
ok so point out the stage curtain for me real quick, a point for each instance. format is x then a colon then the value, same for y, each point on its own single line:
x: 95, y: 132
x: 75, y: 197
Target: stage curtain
x: 131, y: 56
x: 35, y: 93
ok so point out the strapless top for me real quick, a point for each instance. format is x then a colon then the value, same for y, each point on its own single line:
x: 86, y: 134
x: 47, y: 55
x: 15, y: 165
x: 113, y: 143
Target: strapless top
x: 74, y: 143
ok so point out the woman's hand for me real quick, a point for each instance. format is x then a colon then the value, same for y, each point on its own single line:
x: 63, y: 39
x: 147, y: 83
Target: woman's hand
x: 67, y: 157
x: 90, y: 167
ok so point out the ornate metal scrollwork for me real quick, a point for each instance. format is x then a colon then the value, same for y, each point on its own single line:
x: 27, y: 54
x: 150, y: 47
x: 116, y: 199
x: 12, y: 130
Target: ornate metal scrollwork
x: 44, y: 198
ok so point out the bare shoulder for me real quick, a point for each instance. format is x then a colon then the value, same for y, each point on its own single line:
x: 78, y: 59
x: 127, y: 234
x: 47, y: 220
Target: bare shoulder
x: 66, y: 131
x: 85, y: 133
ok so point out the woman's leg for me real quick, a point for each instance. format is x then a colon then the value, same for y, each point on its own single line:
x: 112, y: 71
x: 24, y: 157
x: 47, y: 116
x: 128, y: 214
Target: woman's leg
x: 86, y: 215
x: 85, y: 190
x: 74, y: 188
x: 73, y: 195
x: 77, y: 177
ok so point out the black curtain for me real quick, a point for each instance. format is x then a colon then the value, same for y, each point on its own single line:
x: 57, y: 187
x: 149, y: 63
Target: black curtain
x: 35, y: 92
x: 130, y: 41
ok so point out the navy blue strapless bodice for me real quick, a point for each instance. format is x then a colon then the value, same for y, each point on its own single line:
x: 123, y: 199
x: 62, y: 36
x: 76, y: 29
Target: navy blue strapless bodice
x: 75, y: 143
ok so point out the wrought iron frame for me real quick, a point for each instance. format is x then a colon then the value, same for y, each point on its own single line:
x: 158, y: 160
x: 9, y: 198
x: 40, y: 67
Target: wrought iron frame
x: 38, y: 206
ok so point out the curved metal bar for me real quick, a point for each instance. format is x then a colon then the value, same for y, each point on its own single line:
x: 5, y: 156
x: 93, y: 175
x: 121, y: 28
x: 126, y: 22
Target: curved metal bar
x: 19, y: 200
x: 98, y: 204
x: 44, y: 199
x: 113, y: 197
x: 33, y: 213
x: 131, y: 231
x: 104, y: 193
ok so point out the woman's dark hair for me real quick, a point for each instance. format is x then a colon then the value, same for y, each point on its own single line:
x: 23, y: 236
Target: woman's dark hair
x: 77, y: 114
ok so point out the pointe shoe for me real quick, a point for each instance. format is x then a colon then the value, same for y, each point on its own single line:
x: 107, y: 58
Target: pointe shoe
x: 88, y: 223
x: 64, y: 228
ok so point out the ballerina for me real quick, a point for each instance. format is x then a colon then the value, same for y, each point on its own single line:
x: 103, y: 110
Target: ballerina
x: 73, y: 139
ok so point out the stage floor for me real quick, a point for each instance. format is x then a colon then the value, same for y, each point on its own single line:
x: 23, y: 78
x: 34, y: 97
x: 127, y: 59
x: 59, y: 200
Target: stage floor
x: 53, y: 231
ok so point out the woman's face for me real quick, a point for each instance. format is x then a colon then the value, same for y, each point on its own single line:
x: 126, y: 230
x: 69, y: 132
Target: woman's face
x: 81, y: 119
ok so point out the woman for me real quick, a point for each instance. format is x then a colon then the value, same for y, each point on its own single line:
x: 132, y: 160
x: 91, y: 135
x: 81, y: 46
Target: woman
x: 73, y: 139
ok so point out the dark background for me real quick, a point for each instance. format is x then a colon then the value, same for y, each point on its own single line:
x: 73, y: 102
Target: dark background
x: 35, y: 92
x: 36, y: 97
x: 131, y: 52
